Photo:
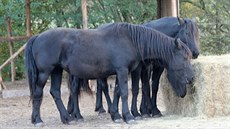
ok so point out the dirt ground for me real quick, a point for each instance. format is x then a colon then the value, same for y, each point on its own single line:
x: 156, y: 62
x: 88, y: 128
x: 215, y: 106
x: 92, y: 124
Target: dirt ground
x: 16, y: 112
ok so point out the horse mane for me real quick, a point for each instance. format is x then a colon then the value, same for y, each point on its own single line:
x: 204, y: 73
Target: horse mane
x: 140, y: 36
x: 156, y: 43
x: 193, y: 29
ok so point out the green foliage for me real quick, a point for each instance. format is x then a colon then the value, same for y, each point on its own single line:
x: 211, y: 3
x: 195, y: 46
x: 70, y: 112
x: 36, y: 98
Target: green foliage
x: 213, y: 19
x: 104, y: 11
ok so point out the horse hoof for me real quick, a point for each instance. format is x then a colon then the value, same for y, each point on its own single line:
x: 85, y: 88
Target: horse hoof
x: 118, y: 121
x: 131, y: 122
x: 73, y: 122
x: 138, y: 118
x: 101, y: 113
x: 145, y: 116
x: 80, y: 120
x: 40, y: 124
x: 157, y: 115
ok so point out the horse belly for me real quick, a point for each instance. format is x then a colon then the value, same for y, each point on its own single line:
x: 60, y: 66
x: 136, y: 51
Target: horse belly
x: 90, y: 71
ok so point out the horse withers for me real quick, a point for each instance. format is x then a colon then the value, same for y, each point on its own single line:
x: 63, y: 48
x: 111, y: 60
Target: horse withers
x: 98, y: 53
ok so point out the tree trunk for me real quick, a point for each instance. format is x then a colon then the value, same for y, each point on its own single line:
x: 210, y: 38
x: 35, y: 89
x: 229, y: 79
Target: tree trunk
x: 28, y: 23
x: 167, y: 8
x: 84, y: 13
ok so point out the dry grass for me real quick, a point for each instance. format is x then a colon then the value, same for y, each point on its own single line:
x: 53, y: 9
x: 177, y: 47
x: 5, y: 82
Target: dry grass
x: 210, y: 94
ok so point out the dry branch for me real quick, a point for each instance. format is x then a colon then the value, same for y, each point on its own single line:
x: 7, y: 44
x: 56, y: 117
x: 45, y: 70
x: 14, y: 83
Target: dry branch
x: 16, y: 38
x: 13, y: 56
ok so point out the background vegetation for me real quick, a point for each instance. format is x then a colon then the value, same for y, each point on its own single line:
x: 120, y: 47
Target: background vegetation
x: 213, y: 19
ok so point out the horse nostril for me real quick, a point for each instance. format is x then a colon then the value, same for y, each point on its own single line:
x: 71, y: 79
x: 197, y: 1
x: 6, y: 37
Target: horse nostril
x: 195, y: 55
x: 191, y: 81
x: 187, y: 81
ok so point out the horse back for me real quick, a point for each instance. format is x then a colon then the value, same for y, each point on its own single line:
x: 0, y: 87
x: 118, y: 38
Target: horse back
x: 84, y: 53
x: 166, y: 25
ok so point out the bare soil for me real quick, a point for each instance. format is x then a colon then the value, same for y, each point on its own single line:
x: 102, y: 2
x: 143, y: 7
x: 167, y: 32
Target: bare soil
x: 16, y: 112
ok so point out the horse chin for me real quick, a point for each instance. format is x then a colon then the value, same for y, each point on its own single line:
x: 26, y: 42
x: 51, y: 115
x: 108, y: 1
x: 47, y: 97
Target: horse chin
x: 181, y: 90
x: 182, y: 95
x: 178, y: 86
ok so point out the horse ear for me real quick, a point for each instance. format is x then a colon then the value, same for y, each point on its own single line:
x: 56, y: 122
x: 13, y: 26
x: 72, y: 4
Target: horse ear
x: 180, y: 20
x: 177, y: 43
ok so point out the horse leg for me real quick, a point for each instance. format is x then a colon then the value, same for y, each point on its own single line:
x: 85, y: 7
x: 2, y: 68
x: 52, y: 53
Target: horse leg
x: 105, y: 89
x: 37, y: 99
x: 122, y: 76
x: 70, y: 105
x: 146, y: 106
x: 56, y: 78
x: 99, y: 106
x: 74, y: 86
x: 116, y: 117
x: 155, y: 84
x: 135, y: 76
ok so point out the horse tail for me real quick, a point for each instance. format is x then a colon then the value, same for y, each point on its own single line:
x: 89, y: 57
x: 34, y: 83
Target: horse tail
x: 76, y: 85
x: 31, y: 68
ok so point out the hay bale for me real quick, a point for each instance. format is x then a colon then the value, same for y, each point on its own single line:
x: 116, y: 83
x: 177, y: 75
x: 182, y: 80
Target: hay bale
x: 210, y: 93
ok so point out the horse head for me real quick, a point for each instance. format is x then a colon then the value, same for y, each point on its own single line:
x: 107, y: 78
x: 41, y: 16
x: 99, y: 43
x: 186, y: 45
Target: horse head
x: 189, y: 34
x: 179, y: 69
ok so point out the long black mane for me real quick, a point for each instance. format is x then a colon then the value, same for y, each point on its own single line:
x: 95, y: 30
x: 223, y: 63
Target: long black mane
x: 192, y: 27
x: 157, y: 44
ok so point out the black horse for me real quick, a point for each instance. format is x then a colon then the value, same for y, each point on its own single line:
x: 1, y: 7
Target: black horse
x: 187, y: 31
x: 89, y: 54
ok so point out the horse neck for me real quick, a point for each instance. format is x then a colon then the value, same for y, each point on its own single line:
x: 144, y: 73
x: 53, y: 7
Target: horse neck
x: 159, y: 49
x: 153, y: 45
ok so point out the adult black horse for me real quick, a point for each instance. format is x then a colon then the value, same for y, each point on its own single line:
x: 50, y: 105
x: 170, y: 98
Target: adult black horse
x: 187, y: 31
x: 89, y: 54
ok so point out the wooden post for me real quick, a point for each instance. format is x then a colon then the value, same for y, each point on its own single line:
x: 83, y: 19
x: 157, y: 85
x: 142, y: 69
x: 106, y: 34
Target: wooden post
x: 28, y: 23
x: 16, y: 38
x: 84, y: 13
x: 2, y: 86
x: 168, y: 8
x: 158, y: 9
x: 10, y: 39
x: 11, y: 47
